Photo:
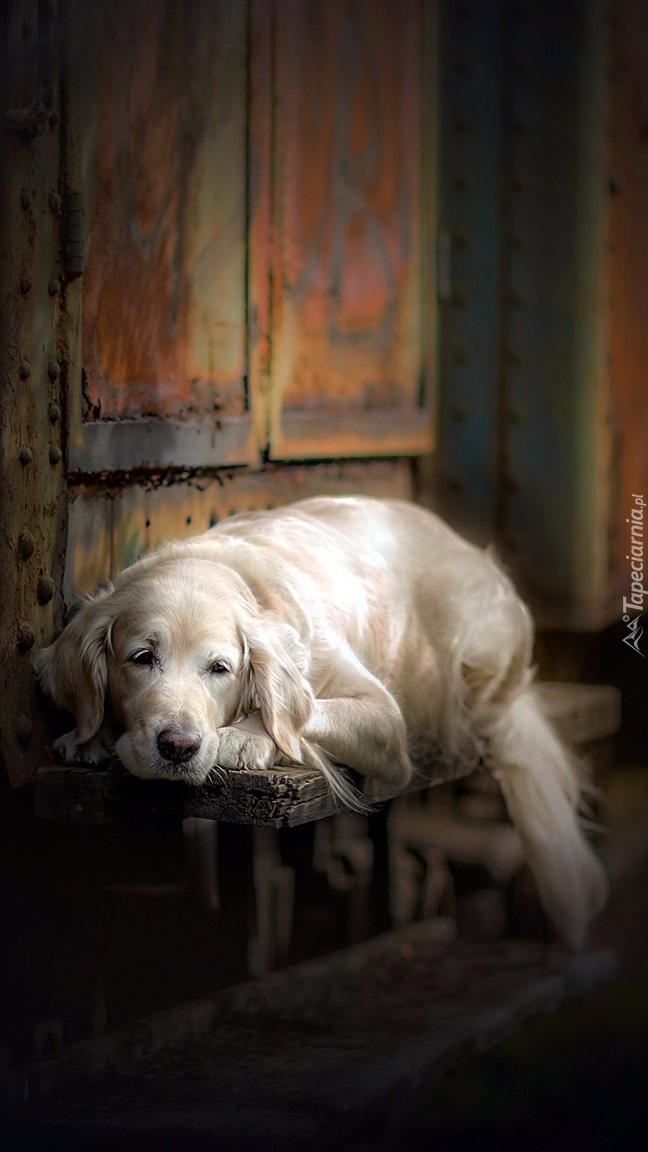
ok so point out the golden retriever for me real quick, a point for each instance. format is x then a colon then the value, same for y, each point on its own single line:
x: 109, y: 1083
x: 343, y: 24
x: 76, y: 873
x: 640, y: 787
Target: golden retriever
x: 345, y: 631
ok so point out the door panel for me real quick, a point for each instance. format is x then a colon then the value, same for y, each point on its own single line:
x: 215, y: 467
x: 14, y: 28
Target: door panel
x: 351, y: 286
x: 159, y: 104
x: 217, y: 237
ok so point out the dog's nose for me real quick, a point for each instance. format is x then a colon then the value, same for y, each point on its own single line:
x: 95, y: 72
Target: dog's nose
x: 178, y: 744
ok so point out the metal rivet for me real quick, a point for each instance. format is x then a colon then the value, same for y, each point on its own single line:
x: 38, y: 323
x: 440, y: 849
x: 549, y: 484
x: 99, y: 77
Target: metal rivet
x: 54, y: 413
x: 24, y: 369
x: 24, y: 728
x: 55, y: 454
x: 25, y: 199
x: 54, y: 201
x: 26, y: 544
x: 25, y: 456
x: 54, y: 287
x: 45, y: 588
x: 25, y: 285
x: 25, y: 638
x: 54, y: 370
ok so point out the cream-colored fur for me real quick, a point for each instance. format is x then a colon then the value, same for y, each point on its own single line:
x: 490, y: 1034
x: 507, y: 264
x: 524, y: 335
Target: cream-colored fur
x: 329, y: 632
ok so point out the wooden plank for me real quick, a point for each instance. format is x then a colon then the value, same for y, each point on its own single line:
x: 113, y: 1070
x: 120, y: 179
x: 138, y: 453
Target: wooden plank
x: 309, y: 1049
x: 282, y: 797
x: 277, y: 797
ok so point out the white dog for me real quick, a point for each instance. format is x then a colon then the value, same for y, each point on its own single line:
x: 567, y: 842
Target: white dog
x: 330, y: 632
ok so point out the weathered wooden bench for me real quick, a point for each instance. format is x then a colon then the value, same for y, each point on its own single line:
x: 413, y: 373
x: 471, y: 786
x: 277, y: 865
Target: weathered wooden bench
x: 299, y: 1053
x: 306, y: 1052
x: 282, y: 797
x: 266, y: 802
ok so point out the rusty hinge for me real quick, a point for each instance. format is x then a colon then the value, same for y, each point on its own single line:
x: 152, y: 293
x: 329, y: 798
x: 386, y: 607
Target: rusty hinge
x: 73, y: 241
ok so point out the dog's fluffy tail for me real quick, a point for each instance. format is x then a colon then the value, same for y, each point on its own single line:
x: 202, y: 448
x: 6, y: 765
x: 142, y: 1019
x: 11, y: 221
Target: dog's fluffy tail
x: 542, y: 790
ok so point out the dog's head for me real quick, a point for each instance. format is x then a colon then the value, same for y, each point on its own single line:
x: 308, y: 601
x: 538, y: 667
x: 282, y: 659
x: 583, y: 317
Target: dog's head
x: 173, y: 653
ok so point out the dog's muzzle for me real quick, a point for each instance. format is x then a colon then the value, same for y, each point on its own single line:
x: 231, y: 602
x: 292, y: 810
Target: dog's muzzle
x: 178, y: 744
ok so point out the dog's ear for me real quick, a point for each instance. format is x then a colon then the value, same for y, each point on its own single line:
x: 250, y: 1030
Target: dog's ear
x: 74, y: 671
x: 275, y: 684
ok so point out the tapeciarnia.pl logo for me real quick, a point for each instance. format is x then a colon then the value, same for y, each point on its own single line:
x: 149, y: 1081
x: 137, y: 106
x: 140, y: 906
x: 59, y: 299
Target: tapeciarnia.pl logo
x: 634, y: 603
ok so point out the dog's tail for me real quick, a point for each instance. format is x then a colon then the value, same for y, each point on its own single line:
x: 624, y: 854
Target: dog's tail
x: 542, y: 788
x: 491, y: 701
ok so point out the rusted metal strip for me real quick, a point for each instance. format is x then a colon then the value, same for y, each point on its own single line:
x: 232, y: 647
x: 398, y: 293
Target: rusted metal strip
x: 125, y: 445
x: 379, y: 432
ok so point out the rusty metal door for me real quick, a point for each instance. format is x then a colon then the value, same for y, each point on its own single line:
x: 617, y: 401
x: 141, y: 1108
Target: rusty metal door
x: 156, y: 108
x: 342, y: 111
x: 217, y: 240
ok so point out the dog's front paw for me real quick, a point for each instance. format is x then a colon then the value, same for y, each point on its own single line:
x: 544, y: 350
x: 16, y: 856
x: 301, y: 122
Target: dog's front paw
x: 67, y: 750
x: 240, y: 748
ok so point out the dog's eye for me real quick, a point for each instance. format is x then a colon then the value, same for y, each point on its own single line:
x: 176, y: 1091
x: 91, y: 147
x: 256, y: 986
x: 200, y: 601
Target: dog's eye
x: 144, y: 656
x: 218, y: 668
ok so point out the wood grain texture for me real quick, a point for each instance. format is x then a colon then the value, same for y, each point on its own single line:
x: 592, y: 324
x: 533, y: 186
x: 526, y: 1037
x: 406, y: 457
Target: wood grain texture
x: 277, y: 797
x: 283, y: 797
x: 304, y: 1052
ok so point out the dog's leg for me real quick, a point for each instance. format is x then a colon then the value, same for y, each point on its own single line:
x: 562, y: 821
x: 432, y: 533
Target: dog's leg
x: 360, y: 725
x: 541, y: 791
x: 366, y: 733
